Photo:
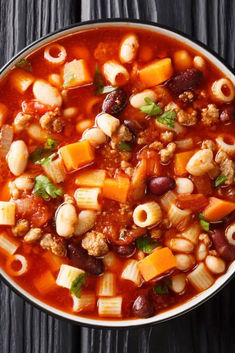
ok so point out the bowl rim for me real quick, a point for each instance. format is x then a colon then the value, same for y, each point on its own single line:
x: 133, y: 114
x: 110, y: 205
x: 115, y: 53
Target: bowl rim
x: 195, y: 301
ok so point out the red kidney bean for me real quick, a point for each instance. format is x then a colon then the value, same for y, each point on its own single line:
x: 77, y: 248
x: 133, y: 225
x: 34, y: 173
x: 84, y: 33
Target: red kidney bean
x: 185, y: 80
x: 115, y: 102
x: 80, y: 258
x: 227, y: 114
x: 134, y: 126
x: 160, y: 185
x: 124, y: 250
x: 143, y: 307
x: 225, y: 250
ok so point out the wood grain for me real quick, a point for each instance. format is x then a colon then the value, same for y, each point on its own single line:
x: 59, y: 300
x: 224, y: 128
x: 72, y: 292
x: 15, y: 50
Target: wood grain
x: 210, y: 328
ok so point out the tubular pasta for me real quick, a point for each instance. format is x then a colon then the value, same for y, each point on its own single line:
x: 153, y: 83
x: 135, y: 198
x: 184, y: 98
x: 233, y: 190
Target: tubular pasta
x: 106, y: 285
x: 24, y: 265
x: 110, y: 307
x: 131, y: 272
x: 88, y: 198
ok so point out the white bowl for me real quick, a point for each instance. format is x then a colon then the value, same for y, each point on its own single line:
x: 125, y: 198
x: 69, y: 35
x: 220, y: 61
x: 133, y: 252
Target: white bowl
x: 222, y: 280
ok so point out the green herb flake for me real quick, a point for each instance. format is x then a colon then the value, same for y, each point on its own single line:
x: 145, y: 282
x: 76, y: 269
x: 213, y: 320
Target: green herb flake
x: 100, y: 88
x: 162, y: 287
x: 204, y: 224
x: 68, y: 79
x: 45, y: 188
x: 124, y: 146
x: 48, y: 160
x: 51, y: 144
x: 44, y: 155
x: 76, y: 286
x: 146, y: 244
x: 123, y: 234
x: 167, y: 118
x: 151, y: 108
x: 25, y: 65
x: 220, y: 180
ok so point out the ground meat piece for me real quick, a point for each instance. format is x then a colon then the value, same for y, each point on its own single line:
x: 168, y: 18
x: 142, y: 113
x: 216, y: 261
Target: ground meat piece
x: 204, y: 238
x: 167, y: 136
x: 69, y: 199
x: 172, y: 106
x: 156, y: 145
x: 54, y: 244
x: 155, y: 233
x: 166, y: 154
x: 142, y: 138
x: 125, y: 156
x: 226, y: 165
x: 95, y: 243
x: 208, y: 144
x: 21, y: 228
x: 21, y: 121
x: 210, y: 115
x: 33, y: 235
x: 214, y: 172
x: 126, y: 167
x: 51, y: 121
x: 124, y: 133
x: 14, y: 192
x: 187, y: 118
x: 187, y: 97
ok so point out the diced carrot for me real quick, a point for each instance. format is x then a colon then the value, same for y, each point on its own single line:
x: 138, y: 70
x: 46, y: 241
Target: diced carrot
x: 202, y: 184
x: 157, y: 263
x: 5, y: 192
x: 21, y: 80
x: 116, y: 189
x: 93, y: 177
x: 156, y: 72
x: 138, y: 182
x: 180, y: 161
x: 54, y: 261
x: 194, y: 202
x: 76, y: 73
x: 3, y: 113
x: 77, y: 154
x: 45, y: 283
x: 217, y: 209
x: 145, y: 53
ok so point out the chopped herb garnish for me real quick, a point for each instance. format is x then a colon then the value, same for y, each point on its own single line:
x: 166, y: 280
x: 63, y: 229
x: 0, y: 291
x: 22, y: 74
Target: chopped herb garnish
x: 167, y: 118
x: 124, y: 146
x: 146, y: 244
x: 151, y: 108
x: 68, y: 79
x: 162, y: 287
x: 123, y: 234
x: 100, y: 88
x: 76, y: 286
x: 204, y: 224
x: 25, y: 65
x: 45, y: 188
x: 44, y: 155
x: 220, y: 180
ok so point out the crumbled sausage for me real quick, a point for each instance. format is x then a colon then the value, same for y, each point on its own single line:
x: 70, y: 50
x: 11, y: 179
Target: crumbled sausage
x: 124, y: 133
x: 21, y: 121
x: 226, y: 165
x: 214, y: 172
x: 167, y: 136
x: 21, y: 228
x: 54, y: 244
x: 187, y: 118
x: 187, y: 97
x: 14, y: 192
x: 142, y: 138
x: 95, y: 243
x: 52, y: 121
x: 155, y: 233
x: 166, y: 154
x: 156, y: 145
x: 33, y: 235
x: 204, y: 238
x: 126, y: 167
x: 172, y: 106
x: 210, y: 115
x: 208, y: 144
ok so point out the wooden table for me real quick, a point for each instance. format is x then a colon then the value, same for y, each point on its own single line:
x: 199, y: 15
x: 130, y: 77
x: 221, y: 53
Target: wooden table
x: 209, y: 328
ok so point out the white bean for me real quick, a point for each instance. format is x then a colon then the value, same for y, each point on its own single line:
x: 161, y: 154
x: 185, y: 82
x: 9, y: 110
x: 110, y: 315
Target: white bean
x: 230, y: 234
x: 199, y: 63
x: 95, y: 136
x: 46, y: 94
x: 17, y: 157
x: 185, y: 262
x: 66, y: 220
x: 178, y: 283
x: 138, y: 100
x: 201, y: 252
x: 181, y: 245
x: 215, y: 264
x: 107, y: 123
x: 200, y: 163
x: 70, y: 112
x: 184, y: 186
x: 129, y: 48
x: 86, y: 220
x: 24, y: 182
x: 55, y: 80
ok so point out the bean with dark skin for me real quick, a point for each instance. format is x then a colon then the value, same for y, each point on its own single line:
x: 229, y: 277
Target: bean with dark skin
x: 185, y: 80
x: 80, y: 258
x: 143, y: 307
x: 115, y: 102
x: 134, y: 126
x: 225, y: 250
x: 124, y: 250
x: 160, y: 185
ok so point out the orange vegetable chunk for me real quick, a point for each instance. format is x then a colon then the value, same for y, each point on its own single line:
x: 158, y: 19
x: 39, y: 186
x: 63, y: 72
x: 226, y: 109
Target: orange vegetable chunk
x: 45, y: 283
x: 217, y: 209
x: 54, y: 261
x: 180, y: 161
x: 116, y: 189
x: 158, y: 262
x: 93, y: 177
x: 195, y: 202
x: 156, y: 72
x: 77, y: 154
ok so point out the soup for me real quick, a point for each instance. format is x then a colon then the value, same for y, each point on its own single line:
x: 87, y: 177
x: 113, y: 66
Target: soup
x: 117, y: 194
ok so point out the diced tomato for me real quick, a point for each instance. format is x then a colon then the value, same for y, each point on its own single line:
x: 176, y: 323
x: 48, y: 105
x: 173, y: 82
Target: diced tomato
x: 194, y: 202
x: 35, y: 208
x: 35, y: 107
x: 203, y: 184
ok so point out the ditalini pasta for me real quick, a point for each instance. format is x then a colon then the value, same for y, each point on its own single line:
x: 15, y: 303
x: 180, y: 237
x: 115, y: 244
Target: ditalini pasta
x: 117, y: 173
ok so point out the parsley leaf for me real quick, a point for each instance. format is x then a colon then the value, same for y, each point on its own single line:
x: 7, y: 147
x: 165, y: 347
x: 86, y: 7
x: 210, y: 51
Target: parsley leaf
x: 162, y: 287
x: 76, y: 286
x: 151, y: 108
x: 220, y: 180
x: 51, y: 143
x: 146, y: 244
x: 124, y: 146
x: 204, y: 224
x: 44, y: 155
x: 68, y: 79
x: 25, y: 65
x: 167, y: 118
x: 100, y: 88
x: 123, y: 234
x: 45, y: 188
